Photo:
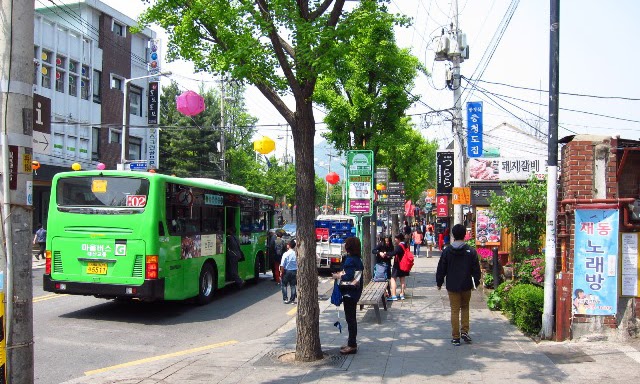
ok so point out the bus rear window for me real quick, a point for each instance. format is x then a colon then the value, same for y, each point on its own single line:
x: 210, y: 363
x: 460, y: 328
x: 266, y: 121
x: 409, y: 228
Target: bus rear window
x: 94, y: 194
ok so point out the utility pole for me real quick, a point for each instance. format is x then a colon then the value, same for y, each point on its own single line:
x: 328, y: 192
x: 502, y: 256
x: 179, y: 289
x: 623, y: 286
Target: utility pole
x: 552, y: 178
x: 459, y: 150
x: 16, y: 123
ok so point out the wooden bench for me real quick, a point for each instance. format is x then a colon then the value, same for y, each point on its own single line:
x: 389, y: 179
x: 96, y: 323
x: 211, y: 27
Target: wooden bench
x: 372, y: 294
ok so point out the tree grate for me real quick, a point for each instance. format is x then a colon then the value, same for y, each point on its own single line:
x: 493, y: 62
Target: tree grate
x: 332, y: 359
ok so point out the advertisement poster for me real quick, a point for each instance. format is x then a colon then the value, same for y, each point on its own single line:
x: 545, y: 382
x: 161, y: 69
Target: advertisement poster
x: 629, y: 264
x: 595, y: 263
x: 506, y: 168
x: 487, y: 228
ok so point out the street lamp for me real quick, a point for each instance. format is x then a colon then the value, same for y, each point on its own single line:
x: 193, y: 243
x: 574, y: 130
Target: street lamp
x: 125, y: 103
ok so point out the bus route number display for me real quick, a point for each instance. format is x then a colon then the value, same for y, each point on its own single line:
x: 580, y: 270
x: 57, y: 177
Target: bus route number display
x: 136, y: 200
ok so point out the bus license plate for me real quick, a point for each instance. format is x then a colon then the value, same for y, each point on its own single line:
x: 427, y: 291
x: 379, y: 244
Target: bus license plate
x: 97, y: 268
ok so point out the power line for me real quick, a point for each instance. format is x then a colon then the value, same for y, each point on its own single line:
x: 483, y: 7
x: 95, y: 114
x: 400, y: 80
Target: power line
x: 563, y: 109
x: 562, y: 93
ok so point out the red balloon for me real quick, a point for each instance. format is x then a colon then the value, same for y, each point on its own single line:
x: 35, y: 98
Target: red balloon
x: 332, y: 178
x: 190, y: 103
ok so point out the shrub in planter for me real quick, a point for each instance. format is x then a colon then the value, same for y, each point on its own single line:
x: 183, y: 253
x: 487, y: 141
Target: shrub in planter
x: 501, y: 295
x: 488, y: 280
x: 525, y: 304
x: 493, y: 301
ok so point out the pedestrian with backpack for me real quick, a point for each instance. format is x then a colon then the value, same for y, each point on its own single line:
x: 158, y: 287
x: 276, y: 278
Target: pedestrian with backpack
x: 400, y: 250
x: 460, y: 266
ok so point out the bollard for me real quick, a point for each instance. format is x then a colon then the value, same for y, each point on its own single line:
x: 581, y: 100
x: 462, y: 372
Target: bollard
x: 496, y: 268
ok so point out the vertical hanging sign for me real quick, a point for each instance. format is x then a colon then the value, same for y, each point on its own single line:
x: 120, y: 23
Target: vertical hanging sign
x: 152, y: 112
x: 474, y: 129
x: 360, y: 172
x: 595, y: 263
x: 445, y: 172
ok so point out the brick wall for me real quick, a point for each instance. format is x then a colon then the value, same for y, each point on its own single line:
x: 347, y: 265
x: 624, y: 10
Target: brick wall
x: 116, y: 60
x: 577, y: 182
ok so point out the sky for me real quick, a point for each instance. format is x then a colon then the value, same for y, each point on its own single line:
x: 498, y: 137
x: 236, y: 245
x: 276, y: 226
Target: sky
x: 596, y: 49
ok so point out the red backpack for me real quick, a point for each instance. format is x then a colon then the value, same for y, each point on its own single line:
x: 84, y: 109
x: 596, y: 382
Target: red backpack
x: 406, y: 263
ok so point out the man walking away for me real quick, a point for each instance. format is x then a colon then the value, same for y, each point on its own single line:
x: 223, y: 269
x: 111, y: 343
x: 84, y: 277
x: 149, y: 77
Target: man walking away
x: 41, y: 239
x: 460, y: 266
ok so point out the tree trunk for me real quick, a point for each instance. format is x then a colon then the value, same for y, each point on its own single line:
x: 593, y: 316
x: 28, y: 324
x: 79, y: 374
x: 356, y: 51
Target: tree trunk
x: 308, y: 346
x: 366, y: 249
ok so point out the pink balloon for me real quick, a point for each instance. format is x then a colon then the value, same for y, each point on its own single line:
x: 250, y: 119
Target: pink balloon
x: 101, y: 166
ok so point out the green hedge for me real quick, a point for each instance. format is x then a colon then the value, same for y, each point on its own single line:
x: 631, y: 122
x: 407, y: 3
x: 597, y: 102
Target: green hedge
x: 524, y: 303
x: 499, y: 298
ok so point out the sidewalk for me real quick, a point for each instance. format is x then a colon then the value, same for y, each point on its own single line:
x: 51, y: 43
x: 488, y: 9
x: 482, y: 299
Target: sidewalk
x: 412, y: 345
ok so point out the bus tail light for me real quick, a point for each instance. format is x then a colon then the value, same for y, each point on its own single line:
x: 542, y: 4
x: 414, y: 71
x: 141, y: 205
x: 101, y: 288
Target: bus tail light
x: 47, y: 265
x: 335, y: 260
x: 151, y: 267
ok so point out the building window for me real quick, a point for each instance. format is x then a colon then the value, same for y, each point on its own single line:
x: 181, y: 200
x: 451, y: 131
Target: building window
x: 97, y: 89
x: 119, y: 29
x: 114, y: 136
x: 135, y: 101
x: 73, y: 85
x: 73, y: 66
x: 116, y: 82
x: 60, y: 80
x: 84, y: 83
x: 135, y: 148
x: 46, y: 69
x: 95, y: 143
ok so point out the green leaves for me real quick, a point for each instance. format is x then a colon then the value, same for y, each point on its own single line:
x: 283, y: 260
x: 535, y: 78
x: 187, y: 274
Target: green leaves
x: 522, y: 210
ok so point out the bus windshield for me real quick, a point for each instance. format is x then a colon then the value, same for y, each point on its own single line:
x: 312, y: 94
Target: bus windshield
x: 102, y: 194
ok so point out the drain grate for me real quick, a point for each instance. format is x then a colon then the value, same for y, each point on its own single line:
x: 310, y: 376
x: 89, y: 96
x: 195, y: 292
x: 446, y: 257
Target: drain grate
x: 332, y: 359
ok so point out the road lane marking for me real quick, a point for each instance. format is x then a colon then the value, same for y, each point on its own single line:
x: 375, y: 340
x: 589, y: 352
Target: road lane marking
x: 48, y: 297
x: 161, y: 357
x: 293, y: 311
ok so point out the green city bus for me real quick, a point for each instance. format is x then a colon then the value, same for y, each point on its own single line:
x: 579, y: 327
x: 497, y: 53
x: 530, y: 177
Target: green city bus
x: 147, y: 236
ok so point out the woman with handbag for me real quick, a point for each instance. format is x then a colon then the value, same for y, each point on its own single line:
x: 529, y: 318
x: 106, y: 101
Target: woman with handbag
x: 350, y: 279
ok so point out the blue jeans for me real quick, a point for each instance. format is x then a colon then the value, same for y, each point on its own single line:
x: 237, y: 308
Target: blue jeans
x: 289, y: 278
x: 416, y: 249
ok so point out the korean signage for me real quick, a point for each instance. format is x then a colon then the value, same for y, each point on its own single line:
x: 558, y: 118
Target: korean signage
x: 461, y: 195
x: 13, y: 167
x: 488, y: 231
x: 442, y: 206
x: 445, y: 170
x: 154, y: 139
x: 474, y: 129
x: 595, y: 263
x: 506, y: 168
x: 153, y: 99
x: 480, y: 193
x: 629, y: 264
x: 360, y: 174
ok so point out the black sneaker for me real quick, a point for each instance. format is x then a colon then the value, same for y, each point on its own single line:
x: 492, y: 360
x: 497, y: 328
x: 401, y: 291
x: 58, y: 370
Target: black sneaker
x: 465, y: 336
x: 455, y: 342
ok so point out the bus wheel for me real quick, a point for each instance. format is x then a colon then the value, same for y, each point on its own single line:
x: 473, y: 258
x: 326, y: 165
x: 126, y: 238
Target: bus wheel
x: 207, y: 284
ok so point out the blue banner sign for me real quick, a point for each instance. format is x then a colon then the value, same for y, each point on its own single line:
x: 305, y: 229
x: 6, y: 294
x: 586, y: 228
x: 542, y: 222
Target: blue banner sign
x: 474, y: 129
x: 595, y: 263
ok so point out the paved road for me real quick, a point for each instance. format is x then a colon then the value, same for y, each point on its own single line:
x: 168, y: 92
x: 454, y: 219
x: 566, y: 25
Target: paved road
x: 76, y: 334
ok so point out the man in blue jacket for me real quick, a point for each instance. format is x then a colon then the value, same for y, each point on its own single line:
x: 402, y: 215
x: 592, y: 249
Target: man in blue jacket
x: 459, y: 264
